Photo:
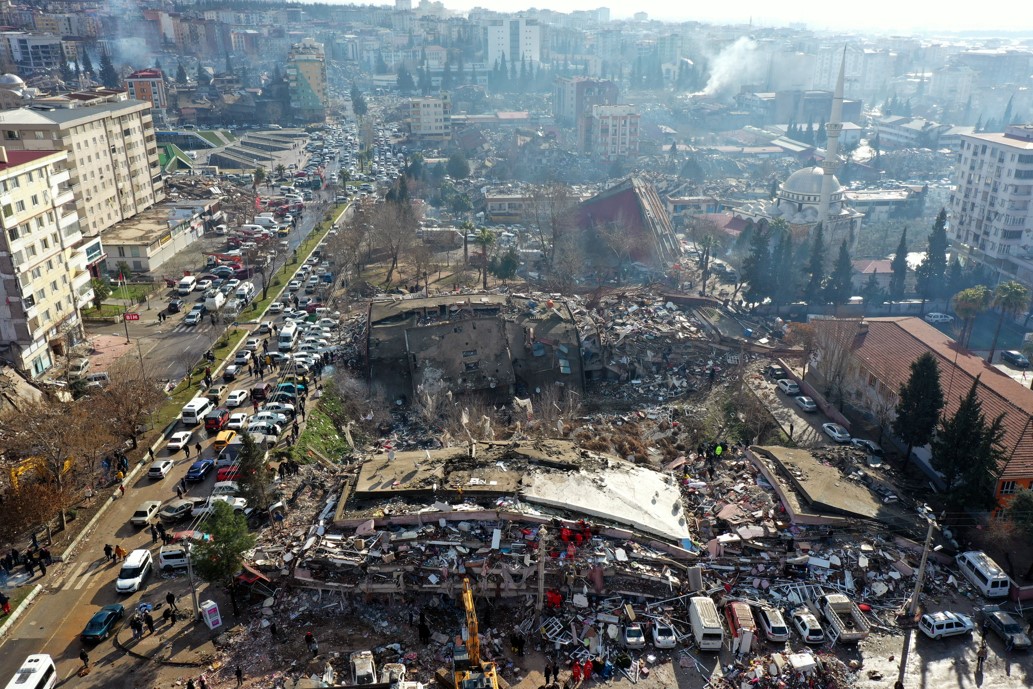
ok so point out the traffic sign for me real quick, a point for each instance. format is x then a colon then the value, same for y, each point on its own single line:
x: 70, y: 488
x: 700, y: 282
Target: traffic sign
x: 132, y: 316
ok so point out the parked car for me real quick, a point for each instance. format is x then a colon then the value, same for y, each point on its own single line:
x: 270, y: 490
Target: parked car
x: 1009, y: 629
x: 836, y: 432
x: 146, y: 513
x: 632, y: 636
x: 789, y: 387
x: 871, y: 448
x: 664, y: 636
x: 772, y: 624
x: 179, y: 439
x: 178, y: 509
x: 808, y: 627
x: 937, y: 625
x: 238, y: 505
x: 806, y: 403
x: 1016, y: 359
x: 199, y: 470
x: 102, y: 624
x: 230, y: 372
x: 175, y: 305
x: 160, y: 468
x: 237, y: 421
x: 935, y: 317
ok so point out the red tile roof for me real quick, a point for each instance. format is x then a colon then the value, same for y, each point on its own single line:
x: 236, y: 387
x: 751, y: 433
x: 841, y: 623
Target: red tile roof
x: 892, y: 343
x: 16, y: 158
x: 868, y: 266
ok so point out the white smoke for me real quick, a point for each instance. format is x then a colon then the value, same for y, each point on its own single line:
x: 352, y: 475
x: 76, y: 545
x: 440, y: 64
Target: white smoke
x: 740, y: 63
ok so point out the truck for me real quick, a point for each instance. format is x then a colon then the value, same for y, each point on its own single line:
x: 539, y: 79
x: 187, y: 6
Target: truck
x: 845, y: 620
x: 215, y: 302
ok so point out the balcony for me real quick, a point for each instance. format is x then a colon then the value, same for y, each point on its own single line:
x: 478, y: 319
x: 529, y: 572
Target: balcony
x: 60, y: 178
x: 64, y: 195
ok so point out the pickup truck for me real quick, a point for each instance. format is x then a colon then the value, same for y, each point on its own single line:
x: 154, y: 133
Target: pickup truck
x: 844, y: 618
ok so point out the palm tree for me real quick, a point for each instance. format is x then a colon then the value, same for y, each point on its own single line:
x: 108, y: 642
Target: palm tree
x: 969, y: 303
x: 485, y: 240
x: 258, y: 178
x: 281, y: 171
x: 1009, y: 297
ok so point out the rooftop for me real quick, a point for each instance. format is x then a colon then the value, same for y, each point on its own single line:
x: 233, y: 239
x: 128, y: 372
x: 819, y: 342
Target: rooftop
x: 18, y: 158
x: 145, y: 228
x: 1001, y: 139
x: 70, y: 116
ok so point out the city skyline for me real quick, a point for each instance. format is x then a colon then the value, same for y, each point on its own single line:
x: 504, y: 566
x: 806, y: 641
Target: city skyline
x: 881, y: 16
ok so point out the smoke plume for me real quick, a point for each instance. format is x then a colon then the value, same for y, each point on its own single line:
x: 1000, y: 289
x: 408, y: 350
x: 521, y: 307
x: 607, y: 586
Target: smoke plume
x: 738, y: 64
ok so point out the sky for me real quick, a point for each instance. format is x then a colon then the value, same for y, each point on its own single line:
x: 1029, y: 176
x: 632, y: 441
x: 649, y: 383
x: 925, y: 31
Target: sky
x: 882, y: 16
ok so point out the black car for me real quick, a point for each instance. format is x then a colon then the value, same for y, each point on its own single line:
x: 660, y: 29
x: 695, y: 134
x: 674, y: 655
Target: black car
x: 1014, y: 358
x: 175, y: 306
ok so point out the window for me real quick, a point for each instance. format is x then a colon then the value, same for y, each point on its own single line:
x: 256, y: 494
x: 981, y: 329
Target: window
x: 8, y: 210
x: 11, y: 135
x: 19, y: 206
x: 35, y: 200
x: 12, y: 232
x: 1009, y: 487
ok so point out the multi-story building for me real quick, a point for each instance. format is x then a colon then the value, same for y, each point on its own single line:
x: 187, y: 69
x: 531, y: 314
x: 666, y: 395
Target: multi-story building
x: 44, y: 278
x: 112, y: 155
x: 990, y: 206
x: 306, y: 76
x: 430, y: 119
x: 31, y: 52
x: 610, y: 131
x: 575, y: 95
x: 513, y: 40
x: 148, y: 85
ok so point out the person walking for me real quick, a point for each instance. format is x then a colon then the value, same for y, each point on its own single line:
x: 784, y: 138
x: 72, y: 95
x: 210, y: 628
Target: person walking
x: 148, y: 620
x: 42, y: 567
x: 981, y: 655
x: 198, y: 449
x: 179, y: 492
x: 170, y: 598
x: 168, y: 616
x: 120, y: 553
x: 548, y: 671
x: 186, y: 451
x: 240, y: 676
x: 137, y: 626
x: 109, y: 552
x: 85, y: 658
x: 154, y: 534
x: 121, y: 490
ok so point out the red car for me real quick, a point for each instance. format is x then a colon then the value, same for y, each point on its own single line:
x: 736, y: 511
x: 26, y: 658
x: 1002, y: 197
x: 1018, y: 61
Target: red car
x: 216, y: 419
x: 230, y: 473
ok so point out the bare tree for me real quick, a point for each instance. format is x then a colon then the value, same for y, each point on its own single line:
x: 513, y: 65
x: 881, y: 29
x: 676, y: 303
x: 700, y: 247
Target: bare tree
x: 831, y: 356
x: 618, y: 242
x: 25, y: 508
x: 568, y: 263
x: 128, y: 400
x: 394, y: 231
x: 552, y: 215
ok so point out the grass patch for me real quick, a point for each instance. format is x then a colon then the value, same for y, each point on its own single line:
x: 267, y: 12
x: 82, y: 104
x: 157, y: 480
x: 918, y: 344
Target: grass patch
x: 190, y: 386
x: 18, y: 595
x: 105, y: 311
x: 212, y: 138
x: 134, y: 293
x: 319, y: 435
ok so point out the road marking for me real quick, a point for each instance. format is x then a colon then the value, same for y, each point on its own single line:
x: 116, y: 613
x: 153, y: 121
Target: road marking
x: 86, y: 577
x: 73, y: 574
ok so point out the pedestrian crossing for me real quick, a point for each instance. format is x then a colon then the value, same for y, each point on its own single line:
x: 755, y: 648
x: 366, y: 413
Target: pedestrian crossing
x: 77, y: 576
x: 183, y: 328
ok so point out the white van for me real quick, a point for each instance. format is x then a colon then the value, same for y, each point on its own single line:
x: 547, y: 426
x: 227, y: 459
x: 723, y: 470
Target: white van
x: 287, y: 190
x: 194, y: 411
x: 984, y: 573
x: 135, y: 570
x: 37, y: 672
x: 267, y: 223
x: 706, y: 624
x: 287, y: 336
x: 186, y: 285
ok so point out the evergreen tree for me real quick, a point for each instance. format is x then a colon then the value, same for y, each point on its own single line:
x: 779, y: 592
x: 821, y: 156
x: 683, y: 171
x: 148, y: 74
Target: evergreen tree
x: 785, y: 275
x: 255, y: 474
x: 405, y: 81
x: 67, y: 75
x: 219, y: 559
x: 458, y: 166
x: 78, y: 69
x: 919, y: 402
x: 756, y: 268
x: 898, y: 280
x: 181, y: 75
x: 932, y: 273
x: 87, y: 64
x: 108, y: 74
x: 808, y: 135
x: 956, y: 277
x: 773, y: 189
x: 359, y: 106
x: 815, y: 266
x: 1006, y: 118
x: 446, y: 75
x: 872, y: 292
x: 967, y: 451
x: 202, y: 77
x: 839, y: 287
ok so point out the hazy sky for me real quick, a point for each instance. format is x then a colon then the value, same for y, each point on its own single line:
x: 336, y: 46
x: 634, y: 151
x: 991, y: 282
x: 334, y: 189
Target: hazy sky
x: 883, y: 16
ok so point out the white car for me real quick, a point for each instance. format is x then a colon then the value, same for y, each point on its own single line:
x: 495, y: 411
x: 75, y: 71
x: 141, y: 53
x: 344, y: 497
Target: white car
x: 937, y: 625
x: 805, y: 403
x: 203, y: 285
x: 808, y: 627
x: 237, y: 398
x: 664, y: 636
x: 279, y: 408
x: 269, y: 417
x: 266, y: 326
x: 935, y: 317
x: 238, y: 505
x: 243, y: 356
x: 179, y: 439
x: 294, y: 285
x: 237, y: 421
x: 252, y: 343
x: 789, y: 387
x: 632, y: 636
x: 264, y: 428
x: 836, y: 432
x: 327, y: 323
x: 275, y: 308
x: 160, y: 468
x: 146, y: 513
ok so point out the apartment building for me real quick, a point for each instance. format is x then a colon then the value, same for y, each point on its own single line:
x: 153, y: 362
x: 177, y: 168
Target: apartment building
x: 611, y: 131
x: 990, y: 206
x: 575, y: 95
x: 44, y: 276
x: 112, y: 155
x: 306, y: 78
x: 148, y: 85
x: 512, y: 40
x: 31, y: 52
x: 430, y: 119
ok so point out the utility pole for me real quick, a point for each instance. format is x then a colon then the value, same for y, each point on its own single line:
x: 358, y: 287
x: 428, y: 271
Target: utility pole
x: 912, y: 608
x: 195, y: 609
x: 542, y: 554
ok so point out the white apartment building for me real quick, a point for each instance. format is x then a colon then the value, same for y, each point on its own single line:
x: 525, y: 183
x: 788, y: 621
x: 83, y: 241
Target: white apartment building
x: 612, y: 131
x: 514, y: 40
x: 44, y: 279
x: 430, y: 119
x: 112, y: 155
x: 990, y: 207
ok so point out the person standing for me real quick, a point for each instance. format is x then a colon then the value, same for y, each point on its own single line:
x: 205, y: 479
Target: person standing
x: 190, y: 683
x: 109, y: 552
x: 120, y: 553
x: 42, y: 567
x: 198, y: 449
x: 170, y: 598
x: 154, y: 534
x: 5, y: 603
x: 240, y: 676
x: 148, y: 619
x: 179, y: 491
x: 85, y: 658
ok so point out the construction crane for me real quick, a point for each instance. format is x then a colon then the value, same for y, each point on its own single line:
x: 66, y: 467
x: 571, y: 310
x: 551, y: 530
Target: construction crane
x: 470, y: 671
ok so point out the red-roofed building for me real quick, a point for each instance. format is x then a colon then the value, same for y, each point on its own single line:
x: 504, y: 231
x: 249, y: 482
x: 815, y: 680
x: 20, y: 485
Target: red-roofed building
x: 865, y: 362
x: 148, y: 85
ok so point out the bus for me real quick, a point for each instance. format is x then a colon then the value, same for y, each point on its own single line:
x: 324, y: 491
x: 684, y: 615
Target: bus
x: 37, y: 672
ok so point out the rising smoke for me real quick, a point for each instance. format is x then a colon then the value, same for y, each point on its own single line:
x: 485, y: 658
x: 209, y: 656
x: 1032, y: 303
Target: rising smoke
x: 740, y: 63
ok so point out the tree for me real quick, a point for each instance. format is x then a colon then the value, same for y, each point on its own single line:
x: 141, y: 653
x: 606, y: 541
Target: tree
x: 359, y: 106
x: 932, y: 273
x: 757, y: 268
x: 219, y: 559
x: 484, y: 239
x: 551, y: 213
x: 87, y: 64
x: 181, y: 75
x: 1020, y: 511
x: 258, y: 178
x: 1009, y: 297
x: 458, y: 166
x: 618, y: 242
x: 898, y: 280
x: 839, y: 288
x: 968, y: 304
x: 815, y: 266
x: 281, y: 171
x: 956, y: 278
x: 25, y: 509
x: 785, y: 276
x: 967, y: 451
x: 108, y: 73
x: 405, y: 82
x: 504, y: 267
x: 920, y: 400
x: 872, y: 292
x: 101, y: 291
x: 203, y: 79
x: 255, y: 474
x: 127, y: 401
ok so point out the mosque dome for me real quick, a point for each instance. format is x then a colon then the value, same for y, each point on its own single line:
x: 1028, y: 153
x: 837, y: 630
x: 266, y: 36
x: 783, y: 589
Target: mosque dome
x: 11, y: 81
x: 805, y: 185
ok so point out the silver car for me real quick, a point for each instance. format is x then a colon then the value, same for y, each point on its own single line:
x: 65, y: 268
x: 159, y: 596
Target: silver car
x: 805, y: 403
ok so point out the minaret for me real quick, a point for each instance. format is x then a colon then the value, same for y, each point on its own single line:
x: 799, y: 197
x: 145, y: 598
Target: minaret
x: 831, y: 163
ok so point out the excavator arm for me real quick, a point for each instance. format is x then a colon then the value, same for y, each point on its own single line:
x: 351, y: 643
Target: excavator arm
x: 473, y: 640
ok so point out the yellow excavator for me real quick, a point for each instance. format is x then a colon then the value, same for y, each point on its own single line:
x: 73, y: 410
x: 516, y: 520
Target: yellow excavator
x: 469, y: 670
